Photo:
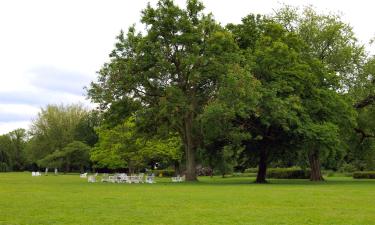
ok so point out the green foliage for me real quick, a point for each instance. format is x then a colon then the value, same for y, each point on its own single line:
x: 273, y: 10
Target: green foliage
x: 85, y: 129
x: 172, y: 69
x: 12, y: 150
x: 283, y: 173
x: 288, y: 173
x: 53, y: 129
x: 122, y: 147
x: 74, y: 156
x: 251, y: 170
x: 347, y: 168
x: 364, y: 175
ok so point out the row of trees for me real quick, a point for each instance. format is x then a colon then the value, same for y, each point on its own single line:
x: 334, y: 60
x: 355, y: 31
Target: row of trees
x: 287, y: 87
x: 66, y: 137
x: 295, y: 88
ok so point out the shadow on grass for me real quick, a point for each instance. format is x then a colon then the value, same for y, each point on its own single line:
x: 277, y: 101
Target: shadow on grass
x: 331, y: 181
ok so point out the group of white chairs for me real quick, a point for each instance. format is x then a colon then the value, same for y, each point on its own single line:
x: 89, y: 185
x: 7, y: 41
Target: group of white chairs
x: 90, y: 178
x: 124, y: 178
x: 36, y: 174
x: 178, y: 178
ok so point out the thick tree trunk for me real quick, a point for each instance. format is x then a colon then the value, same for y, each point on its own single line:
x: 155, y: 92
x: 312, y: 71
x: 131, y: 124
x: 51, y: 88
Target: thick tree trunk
x: 316, y: 174
x: 262, y: 168
x: 189, y: 150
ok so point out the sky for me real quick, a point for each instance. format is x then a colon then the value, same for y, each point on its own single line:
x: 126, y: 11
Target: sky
x: 50, y: 50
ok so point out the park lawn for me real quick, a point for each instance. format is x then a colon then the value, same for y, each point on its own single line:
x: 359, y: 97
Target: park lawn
x: 68, y: 199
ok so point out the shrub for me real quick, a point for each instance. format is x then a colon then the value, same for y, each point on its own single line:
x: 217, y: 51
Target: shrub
x: 244, y: 174
x: 347, y: 168
x: 288, y: 173
x: 164, y: 173
x: 283, y: 173
x: 3, y: 167
x: 251, y: 170
x: 364, y: 175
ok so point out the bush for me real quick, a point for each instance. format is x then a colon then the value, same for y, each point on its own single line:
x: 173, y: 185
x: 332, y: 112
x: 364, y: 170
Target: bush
x: 364, y: 175
x: 3, y: 167
x: 283, y: 173
x: 347, y: 168
x: 164, y: 173
x: 244, y: 174
x: 251, y: 170
x: 288, y: 173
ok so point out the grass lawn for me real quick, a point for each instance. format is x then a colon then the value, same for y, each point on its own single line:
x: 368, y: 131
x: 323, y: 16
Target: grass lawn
x: 68, y: 199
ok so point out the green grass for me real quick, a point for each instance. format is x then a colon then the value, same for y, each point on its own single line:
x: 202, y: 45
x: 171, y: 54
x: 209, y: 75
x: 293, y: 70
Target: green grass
x: 68, y: 199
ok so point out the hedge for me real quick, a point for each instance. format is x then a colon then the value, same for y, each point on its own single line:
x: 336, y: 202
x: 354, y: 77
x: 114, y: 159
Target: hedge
x: 364, y: 175
x: 251, y: 170
x: 288, y: 173
x: 284, y: 173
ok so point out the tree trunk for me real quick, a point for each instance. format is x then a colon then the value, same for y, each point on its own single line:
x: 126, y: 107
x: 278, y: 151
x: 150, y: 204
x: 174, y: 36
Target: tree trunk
x: 316, y: 174
x: 262, y: 168
x: 189, y: 149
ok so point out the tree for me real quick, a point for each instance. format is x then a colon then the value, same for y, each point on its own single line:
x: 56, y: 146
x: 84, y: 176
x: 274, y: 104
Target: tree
x: 335, y: 59
x: 5, y: 158
x: 223, y: 131
x: 172, y: 70
x: 18, y: 138
x: 75, y: 155
x: 53, y: 129
x: 85, y: 129
x: 12, y: 150
x: 275, y: 60
x: 122, y: 147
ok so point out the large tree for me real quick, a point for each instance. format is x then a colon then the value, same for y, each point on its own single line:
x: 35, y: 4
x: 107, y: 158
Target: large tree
x: 274, y: 56
x: 172, y: 69
x: 335, y: 58
x: 54, y: 128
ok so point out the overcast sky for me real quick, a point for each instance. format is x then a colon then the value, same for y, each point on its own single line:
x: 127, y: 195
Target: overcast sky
x: 50, y: 50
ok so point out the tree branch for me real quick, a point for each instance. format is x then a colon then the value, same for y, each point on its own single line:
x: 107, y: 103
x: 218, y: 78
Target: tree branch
x: 363, y: 134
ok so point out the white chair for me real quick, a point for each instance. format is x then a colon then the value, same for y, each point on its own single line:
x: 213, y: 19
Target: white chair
x: 134, y: 179
x: 83, y: 175
x: 105, y: 177
x: 123, y: 178
x: 141, y: 177
x: 91, y: 179
x: 178, y: 178
x: 33, y: 174
x: 150, y: 179
x: 112, y: 179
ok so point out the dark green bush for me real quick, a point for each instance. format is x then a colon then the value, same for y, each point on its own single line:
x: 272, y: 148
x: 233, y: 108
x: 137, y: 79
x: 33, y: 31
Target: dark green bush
x: 165, y: 172
x: 364, y: 175
x: 251, y: 170
x: 288, y: 173
x: 283, y: 173
x: 244, y: 174
x: 3, y: 167
x: 347, y: 168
